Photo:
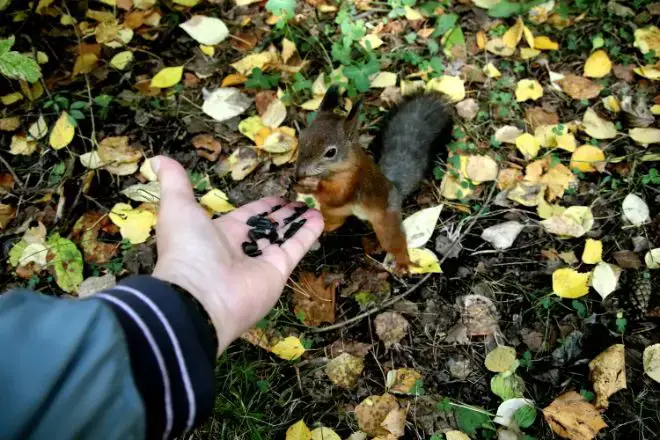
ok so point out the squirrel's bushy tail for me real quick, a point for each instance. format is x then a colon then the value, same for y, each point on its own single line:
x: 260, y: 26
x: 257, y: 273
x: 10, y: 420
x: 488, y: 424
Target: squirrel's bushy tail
x: 415, y: 131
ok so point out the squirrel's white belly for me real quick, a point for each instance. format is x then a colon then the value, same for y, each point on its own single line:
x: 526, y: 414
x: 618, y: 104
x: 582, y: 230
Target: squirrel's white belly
x: 359, y: 212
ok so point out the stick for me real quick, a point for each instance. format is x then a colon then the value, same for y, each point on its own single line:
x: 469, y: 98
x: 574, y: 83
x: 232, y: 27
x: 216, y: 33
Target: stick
x: 13, y: 173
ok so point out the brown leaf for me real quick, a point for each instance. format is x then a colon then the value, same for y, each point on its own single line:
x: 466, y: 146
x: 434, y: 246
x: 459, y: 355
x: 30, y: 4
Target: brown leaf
x: 261, y: 338
x: 345, y: 370
x: 579, y: 87
x: 126, y: 5
x: 10, y: 124
x: 144, y: 87
x: 7, y: 214
x: 116, y: 150
x: 404, y: 380
x: 359, y: 349
x: 86, y: 233
x: 367, y: 280
x: 6, y: 183
x: 627, y: 259
x: 537, y: 116
x: 207, y: 146
x: 608, y: 374
x: 314, y: 298
x: 244, y: 40
x: 571, y: 416
x: 625, y: 73
x: 135, y: 19
x: 372, y: 412
x: 86, y: 48
x: 478, y: 314
x: 263, y: 99
x: 391, y: 328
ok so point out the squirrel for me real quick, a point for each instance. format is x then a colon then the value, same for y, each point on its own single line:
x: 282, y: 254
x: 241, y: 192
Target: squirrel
x: 345, y: 179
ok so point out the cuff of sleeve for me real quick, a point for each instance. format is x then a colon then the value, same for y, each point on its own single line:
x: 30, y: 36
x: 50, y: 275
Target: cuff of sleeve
x: 171, y: 351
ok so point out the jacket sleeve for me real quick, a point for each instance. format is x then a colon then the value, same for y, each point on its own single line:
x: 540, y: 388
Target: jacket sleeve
x: 133, y: 361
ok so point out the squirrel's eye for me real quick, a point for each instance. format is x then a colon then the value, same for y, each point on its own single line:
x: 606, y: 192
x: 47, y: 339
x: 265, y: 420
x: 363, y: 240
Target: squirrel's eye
x: 330, y: 152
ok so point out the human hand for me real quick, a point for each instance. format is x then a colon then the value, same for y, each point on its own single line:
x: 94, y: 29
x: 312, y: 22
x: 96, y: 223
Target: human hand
x: 205, y: 257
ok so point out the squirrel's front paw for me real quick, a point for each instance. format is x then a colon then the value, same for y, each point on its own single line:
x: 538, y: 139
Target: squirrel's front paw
x: 307, y: 185
x: 402, y: 266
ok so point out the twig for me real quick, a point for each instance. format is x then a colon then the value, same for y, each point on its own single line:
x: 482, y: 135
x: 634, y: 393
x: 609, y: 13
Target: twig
x: 13, y: 173
x: 397, y: 298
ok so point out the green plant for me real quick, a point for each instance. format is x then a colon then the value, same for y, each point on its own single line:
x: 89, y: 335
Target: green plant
x: 15, y: 65
x: 506, y: 8
x: 56, y: 173
x: 74, y: 109
x: 103, y: 102
x: 285, y: 9
x: 260, y: 80
x: 652, y: 177
x: 579, y: 308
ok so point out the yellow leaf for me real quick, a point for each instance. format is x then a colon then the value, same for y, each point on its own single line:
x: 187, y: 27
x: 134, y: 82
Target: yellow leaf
x: 11, y: 98
x: 612, y: 104
x: 567, y: 142
x: 288, y: 49
x: 383, y: 79
x: 648, y: 39
x: 481, y: 40
x: 233, y: 79
x: 451, y: 188
x: 545, y: 43
x: 569, y: 283
x: 419, y: 227
x: 371, y: 41
x: 423, y: 261
x: 186, y: 3
x: 512, y: 37
x: 655, y: 109
x: 250, y: 127
x: 559, y: 178
x: 527, y: 193
x: 91, y: 160
x: 167, y: 77
x: 529, y: 36
x: 344, y: 370
x: 412, y: 14
x: 491, y: 71
x: 452, y: 86
x: 527, y: 53
x: 597, y: 127
x: 588, y: 159
x: 456, y: 435
x: 598, y: 65
x: 22, y: 145
x: 500, y: 359
x: 62, y: 133
x: 209, y: 51
x: 651, y: 361
x: 208, y: 31
x: 324, y: 433
x: 545, y: 210
x: 312, y: 104
x: 645, y: 136
x: 122, y: 60
x: 528, y: 145
x: 289, y: 348
x: 572, y: 417
x: 608, y: 374
x: 651, y: 72
x: 298, y: 431
x: 528, y: 89
x: 593, y: 251
x: 134, y: 224
x: 403, y: 380
x: 280, y: 141
x: 85, y: 63
x: 217, y: 201
x: 498, y: 47
x: 572, y: 222
x: 261, y: 60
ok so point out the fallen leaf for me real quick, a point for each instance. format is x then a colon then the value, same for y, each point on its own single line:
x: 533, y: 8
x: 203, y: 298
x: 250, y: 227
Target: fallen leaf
x: 226, y: 103
x: 135, y: 225
x: 256, y: 60
x: 66, y: 262
x: 507, y: 410
x: 579, y: 87
x: 611, y: 103
x: 371, y: 41
x: 508, y: 178
x: 85, y: 63
x: 588, y: 159
x: 115, y: 152
x: 403, y: 380
x: 597, y: 127
x: 289, y: 348
x: 528, y: 89
x: 491, y: 71
x: 508, y: 134
x: 91, y: 160
x: 538, y: 116
x: 635, y: 210
x: 10, y: 124
x: 527, y: 53
x: 569, y: 283
x: 651, y: 72
x: 207, y: 146
x: 412, y: 14
x: 93, y: 285
x: 598, y: 65
x: 86, y: 232
x: 62, y: 132
x: 275, y: 114
x: 652, y: 259
x: 605, y: 278
x: 233, y: 79
x: 500, y: 359
x: 216, y: 201
x: 645, y: 136
x: 481, y: 169
x: 11, y: 98
x: 651, y: 361
x: 497, y: 46
x: 503, y: 235
x: 143, y: 192
x: 345, y: 370
x: 314, y: 298
x: 575, y: 221
x: 167, y: 77
x: 527, y: 193
x: 647, y: 39
x: 206, y: 30
x: 571, y: 416
x: 545, y: 43
x: 122, y: 60
x: 608, y: 374
x: 456, y: 435
x: 324, y: 433
x: 466, y: 109
x: 528, y: 145
x: 419, y: 226
x: 558, y: 179
x: 298, y: 431
x: 593, y: 251
x: 282, y: 140
x: 373, y: 411
x: 508, y: 385
x: 627, y: 259
x: 514, y: 34
x: 452, y: 86
x: 22, y: 145
x: 391, y: 328
x: 383, y: 80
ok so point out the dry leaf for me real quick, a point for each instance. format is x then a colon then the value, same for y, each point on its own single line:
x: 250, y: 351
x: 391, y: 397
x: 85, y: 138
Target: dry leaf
x: 206, y: 30
x: 598, y: 65
x: 299, y: 430
x: 422, y: 261
x: 344, y: 370
x: 508, y: 134
x: 573, y: 222
x: 491, y: 71
x: 225, y: 103
x: 593, y: 251
x: 256, y: 60
x: 167, y: 77
x: 371, y: 41
x: 22, y: 145
x: 528, y: 145
x: 527, y: 193
x: 652, y: 259
x: 528, y: 89
x: 86, y: 233
x: 481, y: 169
x: 62, y: 133
x: 588, y: 159
x: 503, y: 235
x: 645, y: 136
x: 403, y: 380
x: 314, y: 298
x: 391, y: 328
x: 500, y: 359
x: 10, y: 124
x: 7, y: 214
x: 207, y: 146
x: 648, y: 39
x: 135, y: 225
x: 508, y: 178
x: 289, y: 348
x: 275, y: 114
x: 122, y: 60
x: 571, y: 416
x: 608, y: 374
x: 538, y: 116
x: 569, y: 283
x: 514, y: 34
x: 383, y: 80
x: 651, y: 362
x: 635, y: 210
x: 579, y: 87
x: 596, y: 127
x: 143, y: 192
x: 605, y: 278
x: 498, y: 47
x: 419, y: 226
x: 373, y: 411
x: 452, y: 86
x: 466, y: 109
x: 216, y: 201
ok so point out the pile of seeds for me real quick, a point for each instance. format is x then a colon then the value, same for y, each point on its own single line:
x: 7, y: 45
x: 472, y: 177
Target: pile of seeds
x: 262, y: 226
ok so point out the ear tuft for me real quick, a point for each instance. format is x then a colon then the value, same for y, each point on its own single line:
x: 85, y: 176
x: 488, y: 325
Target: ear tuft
x: 331, y: 99
x: 351, y: 121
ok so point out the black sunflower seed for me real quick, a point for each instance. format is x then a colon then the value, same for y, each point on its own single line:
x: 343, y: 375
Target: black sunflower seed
x: 275, y: 208
x: 249, y: 247
x: 256, y: 234
x: 295, y: 227
x: 259, y: 222
x: 301, y: 209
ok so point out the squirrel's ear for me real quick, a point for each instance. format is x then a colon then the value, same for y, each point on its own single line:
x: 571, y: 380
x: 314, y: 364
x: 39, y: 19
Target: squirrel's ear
x: 331, y: 99
x: 351, y: 121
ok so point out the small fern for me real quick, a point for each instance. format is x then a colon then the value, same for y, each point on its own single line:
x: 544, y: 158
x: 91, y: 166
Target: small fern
x: 15, y: 65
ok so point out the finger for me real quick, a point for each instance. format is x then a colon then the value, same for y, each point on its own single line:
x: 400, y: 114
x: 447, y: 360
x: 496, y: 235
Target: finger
x: 286, y: 212
x: 289, y: 254
x: 260, y: 206
x: 175, y: 186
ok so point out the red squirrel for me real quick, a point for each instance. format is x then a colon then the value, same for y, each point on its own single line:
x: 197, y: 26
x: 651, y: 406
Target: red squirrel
x: 333, y: 166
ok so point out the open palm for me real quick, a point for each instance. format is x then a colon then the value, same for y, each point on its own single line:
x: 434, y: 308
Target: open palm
x: 205, y: 257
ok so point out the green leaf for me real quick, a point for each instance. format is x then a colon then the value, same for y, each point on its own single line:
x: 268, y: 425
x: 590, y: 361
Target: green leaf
x: 359, y: 74
x: 78, y: 105
x: 103, y: 100
x: 67, y: 262
x: 77, y: 114
x: 525, y: 416
x: 365, y: 299
x: 454, y: 38
x: 505, y: 9
x: 469, y: 420
x: 287, y: 8
x: 17, y: 66
x: 5, y: 45
x: 16, y: 253
x: 588, y: 395
x: 444, y: 23
x: 507, y: 386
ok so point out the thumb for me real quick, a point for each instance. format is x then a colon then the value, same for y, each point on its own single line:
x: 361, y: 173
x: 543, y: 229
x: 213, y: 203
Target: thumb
x: 174, y: 184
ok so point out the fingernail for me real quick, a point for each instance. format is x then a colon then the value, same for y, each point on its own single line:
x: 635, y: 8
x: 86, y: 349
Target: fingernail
x: 155, y: 164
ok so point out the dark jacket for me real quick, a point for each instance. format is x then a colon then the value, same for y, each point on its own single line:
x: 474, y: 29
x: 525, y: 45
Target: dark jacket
x: 131, y: 362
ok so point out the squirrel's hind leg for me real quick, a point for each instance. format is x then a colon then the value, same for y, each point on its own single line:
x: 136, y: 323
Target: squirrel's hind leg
x: 388, y: 228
